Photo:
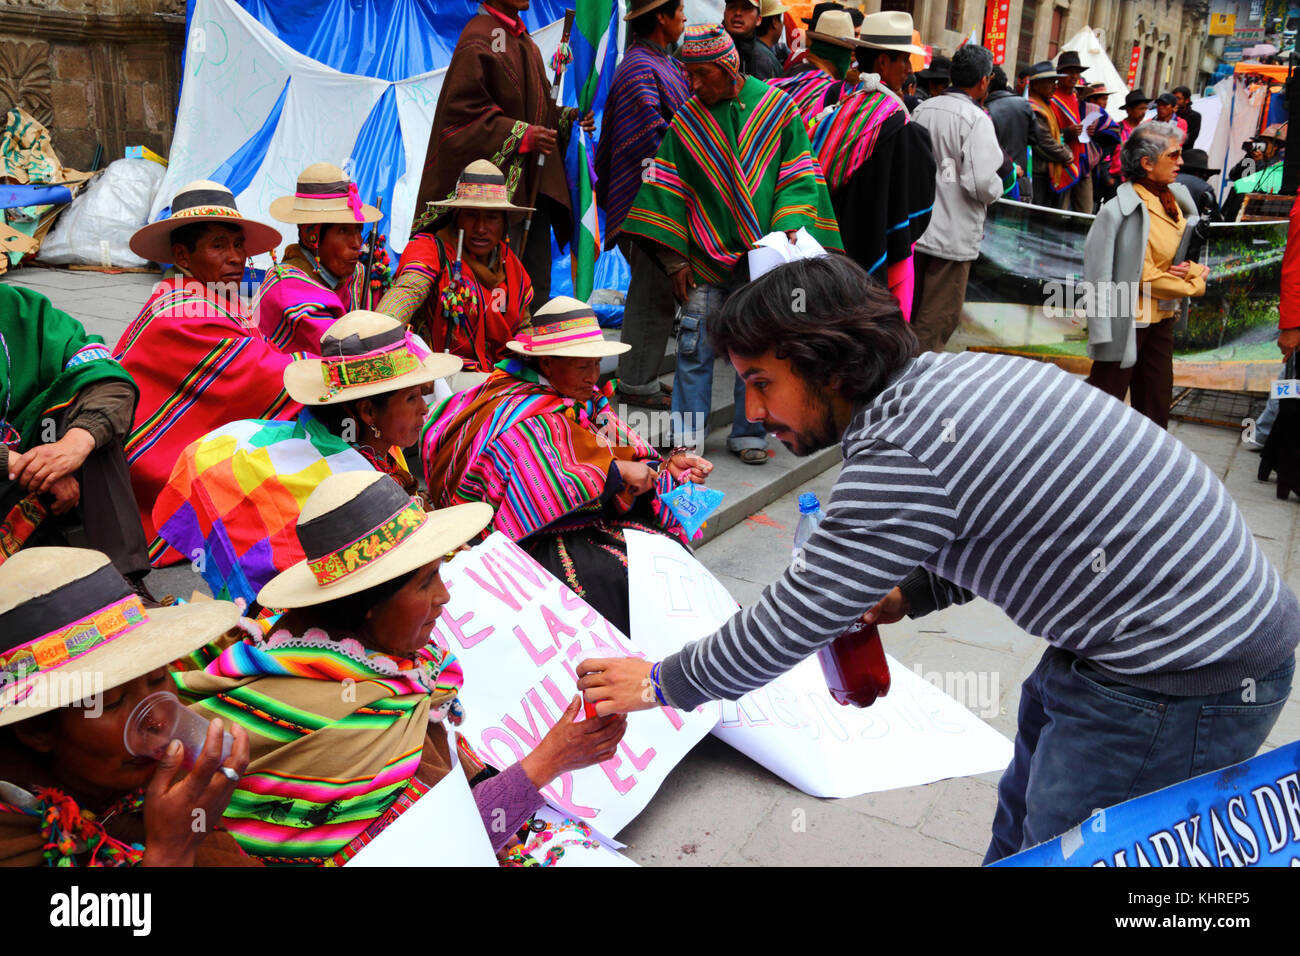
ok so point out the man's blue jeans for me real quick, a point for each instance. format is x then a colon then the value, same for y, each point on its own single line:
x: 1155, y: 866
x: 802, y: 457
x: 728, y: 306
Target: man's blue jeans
x: 1087, y: 742
x: 693, y: 380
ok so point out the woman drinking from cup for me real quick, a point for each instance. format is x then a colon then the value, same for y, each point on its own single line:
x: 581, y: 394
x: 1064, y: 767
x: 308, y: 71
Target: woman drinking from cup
x: 78, y: 653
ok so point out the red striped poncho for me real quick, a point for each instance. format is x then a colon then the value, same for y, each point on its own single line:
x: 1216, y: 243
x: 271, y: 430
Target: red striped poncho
x: 199, y: 364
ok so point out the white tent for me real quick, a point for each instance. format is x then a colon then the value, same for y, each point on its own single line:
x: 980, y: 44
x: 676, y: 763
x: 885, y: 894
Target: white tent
x: 1099, y: 68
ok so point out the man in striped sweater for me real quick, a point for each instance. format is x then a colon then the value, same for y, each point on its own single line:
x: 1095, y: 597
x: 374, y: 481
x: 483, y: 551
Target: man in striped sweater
x: 1171, y: 638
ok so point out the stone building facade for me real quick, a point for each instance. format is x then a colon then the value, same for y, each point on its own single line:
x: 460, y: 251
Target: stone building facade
x: 94, y: 71
x: 1171, y: 34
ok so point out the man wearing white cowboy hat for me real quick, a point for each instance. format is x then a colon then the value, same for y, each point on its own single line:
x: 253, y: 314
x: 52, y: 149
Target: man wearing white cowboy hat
x: 878, y: 166
x: 887, y: 49
x: 820, y: 80
x: 193, y: 350
x: 235, y: 493
x: 79, y: 652
x: 771, y: 28
x: 563, y: 472
x: 459, y: 285
x: 322, y: 275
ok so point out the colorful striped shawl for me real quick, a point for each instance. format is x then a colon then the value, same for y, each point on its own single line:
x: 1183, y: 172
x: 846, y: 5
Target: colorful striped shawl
x: 727, y: 175
x: 293, y: 307
x: 844, y: 138
x: 199, y: 364
x: 813, y: 91
x: 537, y: 457
x: 233, y: 499
x: 1066, y: 111
x: 335, y: 731
x: 648, y: 89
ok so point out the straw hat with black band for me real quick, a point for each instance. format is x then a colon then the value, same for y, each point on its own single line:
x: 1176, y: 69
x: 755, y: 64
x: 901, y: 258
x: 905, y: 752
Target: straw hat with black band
x: 359, y: 529
x: 202, y: 201
x: 889, y: 30
x: 323, y: 194
x: 564, y: 328
x: 836, y: 28
x: 364, y: 354
x: 69, y: 619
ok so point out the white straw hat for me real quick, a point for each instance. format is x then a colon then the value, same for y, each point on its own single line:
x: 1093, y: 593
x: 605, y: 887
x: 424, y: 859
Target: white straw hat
x: 202, y: 201
x: 324, y: 194
x: 360, y: 529
x: 564, y: 328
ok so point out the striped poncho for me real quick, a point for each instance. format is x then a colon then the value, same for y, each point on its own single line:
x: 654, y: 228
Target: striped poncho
x: 648, y: 89
x: 813, y: 91
x: 726, y: 175
x: 199, y: 364
x: 336, y: 735
x: 540, y: 459
x: 293, y: 307
x: 880, y: 171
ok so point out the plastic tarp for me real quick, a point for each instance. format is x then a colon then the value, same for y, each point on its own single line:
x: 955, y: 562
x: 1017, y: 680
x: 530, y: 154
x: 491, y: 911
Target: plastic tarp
x: 259, y: 104
x: 1026, y: 296
x: 96, y: 229
x: 1238, y: 120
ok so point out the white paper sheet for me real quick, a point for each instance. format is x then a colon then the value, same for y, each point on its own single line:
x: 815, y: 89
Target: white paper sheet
x: 916, y: 734
x: 442, y: 828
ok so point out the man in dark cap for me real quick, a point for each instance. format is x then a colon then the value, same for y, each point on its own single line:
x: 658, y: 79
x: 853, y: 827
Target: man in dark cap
x: 935, y: 78
x: 740, y: 18
x: 1196, y: 170
x: 1135, y: 106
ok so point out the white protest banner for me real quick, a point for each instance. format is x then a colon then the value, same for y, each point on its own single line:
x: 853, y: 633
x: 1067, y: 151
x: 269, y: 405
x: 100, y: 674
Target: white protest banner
x: 519, y: 634
x: 914, y: 735
x: 442, y: 828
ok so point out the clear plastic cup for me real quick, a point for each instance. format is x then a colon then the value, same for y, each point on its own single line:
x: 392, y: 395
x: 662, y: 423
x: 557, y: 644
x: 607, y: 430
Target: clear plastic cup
x: 161, y: 718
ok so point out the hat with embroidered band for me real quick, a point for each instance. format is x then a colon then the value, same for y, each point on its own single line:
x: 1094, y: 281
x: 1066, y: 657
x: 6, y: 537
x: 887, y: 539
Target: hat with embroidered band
x: 363, y: 354
x: 359, y: 529
x: 889, y: 30
x: 564, y: 328
x: 481, y: 185
x: 202, y: 201
x: 324, y: 194
x: 71, y: 626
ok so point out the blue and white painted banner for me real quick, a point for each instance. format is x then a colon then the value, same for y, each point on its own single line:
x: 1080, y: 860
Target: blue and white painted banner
x: 1244, y: 815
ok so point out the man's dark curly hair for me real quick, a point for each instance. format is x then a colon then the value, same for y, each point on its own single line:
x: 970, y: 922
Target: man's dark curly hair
x: 834, y: 323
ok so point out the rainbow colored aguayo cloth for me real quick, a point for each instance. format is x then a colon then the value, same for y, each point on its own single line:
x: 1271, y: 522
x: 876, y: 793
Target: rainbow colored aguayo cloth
x: 729, y: 174
x: 813, y: 91
x: 336, y: 733
x: 232, y: 502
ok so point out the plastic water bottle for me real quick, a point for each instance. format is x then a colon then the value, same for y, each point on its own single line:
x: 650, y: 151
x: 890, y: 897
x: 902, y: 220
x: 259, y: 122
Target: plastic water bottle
x: 853, y: 664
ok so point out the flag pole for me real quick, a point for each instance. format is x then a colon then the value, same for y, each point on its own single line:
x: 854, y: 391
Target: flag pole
x: 560, y: 63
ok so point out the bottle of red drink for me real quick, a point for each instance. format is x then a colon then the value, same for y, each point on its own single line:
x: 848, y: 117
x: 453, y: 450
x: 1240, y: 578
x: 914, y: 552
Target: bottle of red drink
x: 854, y: 663
x: 854, y: 666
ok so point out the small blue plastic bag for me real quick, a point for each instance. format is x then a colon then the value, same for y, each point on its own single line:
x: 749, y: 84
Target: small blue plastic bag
x: 692, y: 504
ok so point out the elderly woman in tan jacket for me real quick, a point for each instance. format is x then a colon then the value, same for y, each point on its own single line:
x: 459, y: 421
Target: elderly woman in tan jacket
x: 1134, y: 265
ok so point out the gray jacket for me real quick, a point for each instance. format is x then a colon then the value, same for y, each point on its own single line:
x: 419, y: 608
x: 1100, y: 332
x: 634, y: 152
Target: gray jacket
x: 1113, y: 255
x: 968, y: 157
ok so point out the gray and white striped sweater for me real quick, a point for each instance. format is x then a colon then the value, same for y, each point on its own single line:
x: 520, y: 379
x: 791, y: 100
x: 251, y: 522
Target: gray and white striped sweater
x: 1009, y: 479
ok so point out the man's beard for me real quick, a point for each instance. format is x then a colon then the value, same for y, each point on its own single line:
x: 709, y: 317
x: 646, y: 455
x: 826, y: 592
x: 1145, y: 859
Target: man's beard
x: 823, y: 433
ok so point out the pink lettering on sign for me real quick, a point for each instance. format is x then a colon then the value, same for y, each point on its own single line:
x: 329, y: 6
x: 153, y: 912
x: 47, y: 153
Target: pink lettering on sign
x: 501, y: 585
x: 538, y: 657
x: 532, y: 736
x: 458, y: 625
x: 571, y: 602
x: 523, y: 562
x: 556, y: 626
x: 610, y: 769
x: 640, y: 761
